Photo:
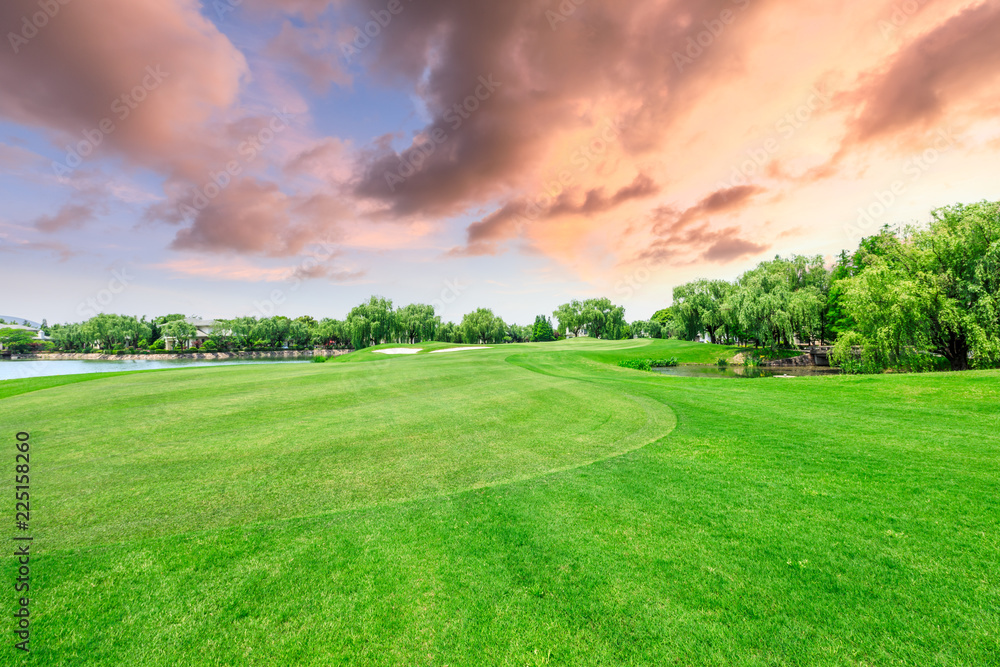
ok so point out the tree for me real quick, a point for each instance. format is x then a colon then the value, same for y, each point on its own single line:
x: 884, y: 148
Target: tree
x: 934, y: 288
x: 647, y: 329
x: 698, y: 308
x: 448, y: 333
x: 16, y: 340
x: 542, y: 331
x: 570, y: 317
x: 180, y: 331
x: 372, y: 323
x: 417, y: 323
x: 482, y: 327
x: 780, y: 301
x: 331, y: 333
x: 603, y: 319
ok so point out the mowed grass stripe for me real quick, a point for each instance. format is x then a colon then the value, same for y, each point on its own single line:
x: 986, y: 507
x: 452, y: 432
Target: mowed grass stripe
x: 815, y: 521
x: 156, y: 454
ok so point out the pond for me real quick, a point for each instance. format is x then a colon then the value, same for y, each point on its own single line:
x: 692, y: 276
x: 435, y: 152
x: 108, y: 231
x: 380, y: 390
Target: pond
x: 745, y: 371
x: 30, y: 368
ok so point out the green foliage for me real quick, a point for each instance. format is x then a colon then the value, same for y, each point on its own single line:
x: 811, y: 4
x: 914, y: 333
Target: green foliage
x: 637, y: 364
x: 425, y: 515
x: 181, y: 331
x: 647, y: 329
x: 372, y: 323
x: 330, y: 333
x: 542, y: 331
x: 599, y: 318
x: 16, y: 340
x: 932, y: 289
x: 417, y: 323
x: 482, y: 327
x: 648, y: 364
x: 319, y: 359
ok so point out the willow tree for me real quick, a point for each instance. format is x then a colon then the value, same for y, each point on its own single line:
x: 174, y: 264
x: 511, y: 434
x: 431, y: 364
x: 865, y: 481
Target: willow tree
x: 372, y: 323
x: 603, y: 319
x: 934, y: 288
x: 779, y: 301
x: 570, y: 317
x: 482, y: 326
x: 417, y: 323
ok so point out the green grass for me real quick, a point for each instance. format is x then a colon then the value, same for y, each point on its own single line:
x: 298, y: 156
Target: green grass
x: 525, y: 505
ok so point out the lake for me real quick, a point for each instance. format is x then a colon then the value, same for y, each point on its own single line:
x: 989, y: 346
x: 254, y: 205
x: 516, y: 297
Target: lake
x: 745, y: 371
x: 13, y: 370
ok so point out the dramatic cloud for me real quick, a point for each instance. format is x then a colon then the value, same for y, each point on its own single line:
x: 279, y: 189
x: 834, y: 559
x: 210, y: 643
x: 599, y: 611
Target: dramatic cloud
x: 71, y: 216
x: 137, y: 79
x: 506, y: 82
x: 581, y: 138
x: 955, y: 61
x: 688, y: 235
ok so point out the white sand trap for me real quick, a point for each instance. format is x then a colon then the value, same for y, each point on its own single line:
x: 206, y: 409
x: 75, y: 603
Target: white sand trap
x: 399, y: 350
x: 459, y: 349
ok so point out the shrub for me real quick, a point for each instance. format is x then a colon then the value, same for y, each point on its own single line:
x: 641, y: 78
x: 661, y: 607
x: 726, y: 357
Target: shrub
x: 210, y: 346
x: 636, y: 364
x: 160, y: 344
x: 319, y: 359
x: 664, y: 363
x: 722, y: 363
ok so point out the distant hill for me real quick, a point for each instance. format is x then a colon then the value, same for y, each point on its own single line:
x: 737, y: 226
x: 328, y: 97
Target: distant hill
x: 19, y: 320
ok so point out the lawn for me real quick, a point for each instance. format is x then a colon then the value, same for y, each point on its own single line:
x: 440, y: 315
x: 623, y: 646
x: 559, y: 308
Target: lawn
x: 524, y: 505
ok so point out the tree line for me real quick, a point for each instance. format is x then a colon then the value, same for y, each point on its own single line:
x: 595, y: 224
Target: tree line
x: 374, y: 322
x: 904, y: 299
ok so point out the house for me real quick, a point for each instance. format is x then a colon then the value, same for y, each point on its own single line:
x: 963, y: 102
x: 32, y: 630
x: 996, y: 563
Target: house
x: 38, y: 333
x: 203, y: 331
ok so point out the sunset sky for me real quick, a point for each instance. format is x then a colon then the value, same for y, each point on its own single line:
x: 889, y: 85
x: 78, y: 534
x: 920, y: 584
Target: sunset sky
x: 233, y: 157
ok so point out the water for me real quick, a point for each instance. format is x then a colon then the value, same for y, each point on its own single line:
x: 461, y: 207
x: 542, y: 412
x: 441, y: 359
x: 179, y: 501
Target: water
x: 745, y: 371
x: 13, y: 370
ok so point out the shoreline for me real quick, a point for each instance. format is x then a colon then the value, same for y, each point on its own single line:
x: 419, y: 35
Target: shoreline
x: 194, y: 356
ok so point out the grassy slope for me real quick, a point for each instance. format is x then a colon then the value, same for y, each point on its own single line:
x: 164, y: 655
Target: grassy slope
x: 836, y: 520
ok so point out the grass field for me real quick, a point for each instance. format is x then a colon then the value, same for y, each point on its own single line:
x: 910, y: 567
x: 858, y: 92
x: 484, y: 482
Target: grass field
x: 523, y: 505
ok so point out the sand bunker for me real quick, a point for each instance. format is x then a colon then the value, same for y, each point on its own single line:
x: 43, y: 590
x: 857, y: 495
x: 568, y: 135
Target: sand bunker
x: 459, y: 349
x: 399, y: 350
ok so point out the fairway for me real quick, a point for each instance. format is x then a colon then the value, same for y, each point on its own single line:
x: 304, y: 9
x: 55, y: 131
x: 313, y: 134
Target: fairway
x: 526, y: 504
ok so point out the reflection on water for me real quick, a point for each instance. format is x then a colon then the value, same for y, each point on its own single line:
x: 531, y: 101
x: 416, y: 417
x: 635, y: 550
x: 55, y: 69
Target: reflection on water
x: 745, y: 371
x: 13, y: 370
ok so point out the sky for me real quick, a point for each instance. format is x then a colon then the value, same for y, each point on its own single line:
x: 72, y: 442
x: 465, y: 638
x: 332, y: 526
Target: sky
x: 293, y: 157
